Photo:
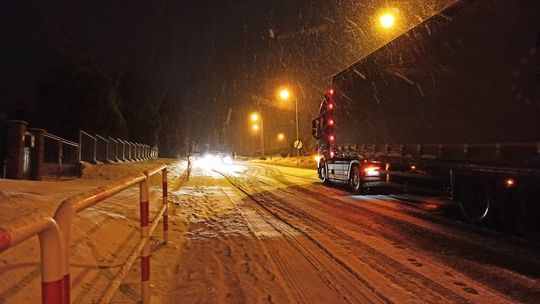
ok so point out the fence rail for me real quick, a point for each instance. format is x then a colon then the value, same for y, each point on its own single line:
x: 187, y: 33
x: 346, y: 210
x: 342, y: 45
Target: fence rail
x: 55, y: 233
x: 33, y: 153
x: 15, y: 232
x: 518, y: 153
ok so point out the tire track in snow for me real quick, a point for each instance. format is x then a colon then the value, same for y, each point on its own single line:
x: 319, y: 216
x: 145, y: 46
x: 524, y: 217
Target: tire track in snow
x: 525, y: 287
x: 333, y: 272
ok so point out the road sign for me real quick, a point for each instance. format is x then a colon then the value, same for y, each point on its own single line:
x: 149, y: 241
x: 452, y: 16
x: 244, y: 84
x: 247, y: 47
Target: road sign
x: 298, y: 144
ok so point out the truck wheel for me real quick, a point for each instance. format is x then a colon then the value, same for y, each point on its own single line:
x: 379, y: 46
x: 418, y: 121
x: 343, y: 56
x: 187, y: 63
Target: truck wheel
x: 476, y: 202
x: 527, y: 212
x: 356, y: 180
x: 323, y: 174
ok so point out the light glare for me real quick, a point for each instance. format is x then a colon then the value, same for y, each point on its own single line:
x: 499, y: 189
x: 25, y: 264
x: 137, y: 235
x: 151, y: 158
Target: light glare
x: 284, y: 94
x: 387, y: 20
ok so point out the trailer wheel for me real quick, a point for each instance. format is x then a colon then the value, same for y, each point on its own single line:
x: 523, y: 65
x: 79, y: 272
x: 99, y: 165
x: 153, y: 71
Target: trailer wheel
x: 476, y: 202
x: 323, y: 173
x: 356, y: 180
x: 527, y: 212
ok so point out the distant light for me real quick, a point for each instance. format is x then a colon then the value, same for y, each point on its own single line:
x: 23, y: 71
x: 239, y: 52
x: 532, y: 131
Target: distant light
x: 254, y: 117
x: 413, y: 167
x: 330, y: 106
x: 281, y: 136
x: 331, y: 122
x: 284, y: 94
x: 317, y: 158
x: 510, y: 182
x: 255, y: 127
x: 387, y: 20
x: 332, y: 154
x: 331, y: 92
x: 331, y: 137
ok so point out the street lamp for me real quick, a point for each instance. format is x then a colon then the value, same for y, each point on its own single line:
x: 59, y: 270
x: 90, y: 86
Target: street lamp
x: 284, y: 94
x: 256, y: 117
x: 281, y: 136
x: 387, y: 20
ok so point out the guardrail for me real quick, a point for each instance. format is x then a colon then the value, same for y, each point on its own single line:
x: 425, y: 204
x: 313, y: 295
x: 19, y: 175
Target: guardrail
x: 98, y: 149
x: 70, y: 207
x: 60, y: 156
x: 15, y: 232
x: 521, y: 153
x: 54, y: 235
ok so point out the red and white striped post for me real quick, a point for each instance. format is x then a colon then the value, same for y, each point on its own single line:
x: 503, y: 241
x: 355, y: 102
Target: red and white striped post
x: 51, y: 265
x: 145, y: 255
x: 51, y: 252
x: 166, y: 204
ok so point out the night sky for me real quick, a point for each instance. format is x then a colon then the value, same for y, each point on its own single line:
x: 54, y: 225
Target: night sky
x: 211, y: 55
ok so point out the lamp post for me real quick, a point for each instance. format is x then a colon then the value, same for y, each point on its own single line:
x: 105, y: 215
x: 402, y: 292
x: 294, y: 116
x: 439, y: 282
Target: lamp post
x: 284, y: 94
x: 255, y: 117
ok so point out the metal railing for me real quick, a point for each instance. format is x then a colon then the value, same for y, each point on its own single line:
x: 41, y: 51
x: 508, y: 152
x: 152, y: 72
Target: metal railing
x: 60, y: 156
x: 15, y: 232
x: 70, y: 207
x: 98, y: 149
x: 519, y: 153
x: 54, y: 235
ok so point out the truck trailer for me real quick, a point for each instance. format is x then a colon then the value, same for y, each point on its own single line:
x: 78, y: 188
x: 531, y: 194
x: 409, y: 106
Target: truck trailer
x: 449, y: 108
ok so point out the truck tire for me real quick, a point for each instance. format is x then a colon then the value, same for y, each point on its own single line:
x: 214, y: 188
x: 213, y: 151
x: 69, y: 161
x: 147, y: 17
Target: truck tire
x: 355, y: 180
x: 323, y: 173
x: 476, y: 202
x: 527, y: 212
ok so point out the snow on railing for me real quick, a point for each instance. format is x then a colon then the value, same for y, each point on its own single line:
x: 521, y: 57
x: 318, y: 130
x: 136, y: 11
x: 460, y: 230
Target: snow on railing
x: 17, y: 231
x: 70, y: 207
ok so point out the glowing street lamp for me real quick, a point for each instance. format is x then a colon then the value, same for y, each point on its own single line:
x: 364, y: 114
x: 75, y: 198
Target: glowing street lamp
x: 256, y: 117
x: 285, y: 94
x: 281, y: 136
x: 387, y: 20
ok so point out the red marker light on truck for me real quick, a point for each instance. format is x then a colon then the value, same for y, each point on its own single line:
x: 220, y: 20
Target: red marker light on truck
x: 330, y: 106
x: 331, y: 92
x: 331, y: 122
x: 332, y: 154
x: 510, y: 182
x: 331, y: 137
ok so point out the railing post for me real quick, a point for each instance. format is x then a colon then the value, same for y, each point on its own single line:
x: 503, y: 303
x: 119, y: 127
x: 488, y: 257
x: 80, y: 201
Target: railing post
x: 16, y: 130
x: 166, y: 204
x: 38, y: 154
x: 60, y: 156
x: 145, y: 255
x: 51, y: 265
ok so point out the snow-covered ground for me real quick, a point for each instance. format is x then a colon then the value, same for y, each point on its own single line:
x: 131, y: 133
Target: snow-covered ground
x: 258, y: 233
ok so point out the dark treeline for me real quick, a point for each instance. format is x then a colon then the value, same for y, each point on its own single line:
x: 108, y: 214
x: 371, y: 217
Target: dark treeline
x: 73, y: 96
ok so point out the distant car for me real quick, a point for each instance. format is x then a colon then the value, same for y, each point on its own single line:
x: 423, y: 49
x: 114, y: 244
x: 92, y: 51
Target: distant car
x: 217, y: 157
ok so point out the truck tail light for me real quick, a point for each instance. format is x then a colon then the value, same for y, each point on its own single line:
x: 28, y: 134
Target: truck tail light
x: 372, y: 171
x: 330, y: 122
x: 330, y: 106
x: 332, y: 154
x: 331, y: 138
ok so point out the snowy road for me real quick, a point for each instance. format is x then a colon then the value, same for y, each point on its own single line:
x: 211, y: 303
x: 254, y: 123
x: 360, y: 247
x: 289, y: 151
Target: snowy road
x: 261, y: 233
x: 255, y: 233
